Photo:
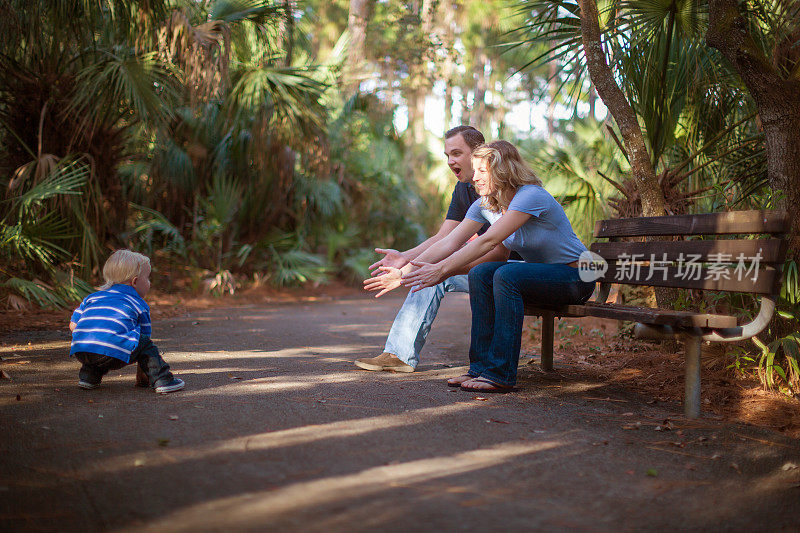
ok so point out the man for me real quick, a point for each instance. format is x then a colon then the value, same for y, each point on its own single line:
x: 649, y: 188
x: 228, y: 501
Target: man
x: 413, y: 322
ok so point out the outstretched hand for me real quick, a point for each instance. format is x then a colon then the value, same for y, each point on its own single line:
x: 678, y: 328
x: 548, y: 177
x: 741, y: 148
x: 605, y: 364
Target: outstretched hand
x: 426, y: 275
x: 388, y: 279
x: 391, y: 258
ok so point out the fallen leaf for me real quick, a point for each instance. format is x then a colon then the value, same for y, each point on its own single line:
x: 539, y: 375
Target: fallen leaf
x: 163, y: 442
x: 636, y: 425
x: 498, y: 421
x: 630, y: 472
x: 481, y: 398
x: 736, y: 467
x: 627, y: 414
x: 4, y: 375
x: 789, y: 466
x: 651, y: 472
x: 173, y: 417
x: 138, y: 462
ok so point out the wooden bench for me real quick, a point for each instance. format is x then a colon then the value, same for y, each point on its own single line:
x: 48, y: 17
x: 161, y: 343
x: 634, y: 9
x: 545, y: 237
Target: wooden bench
x: 741, y: 251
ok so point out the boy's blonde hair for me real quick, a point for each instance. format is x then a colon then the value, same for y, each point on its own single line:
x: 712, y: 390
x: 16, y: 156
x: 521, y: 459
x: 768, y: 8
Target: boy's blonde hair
x: 123, y: 266
x: 507, y: 170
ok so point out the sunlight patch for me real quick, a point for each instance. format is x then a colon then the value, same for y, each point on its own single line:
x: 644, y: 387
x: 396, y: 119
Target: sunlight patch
x: 248, y: 510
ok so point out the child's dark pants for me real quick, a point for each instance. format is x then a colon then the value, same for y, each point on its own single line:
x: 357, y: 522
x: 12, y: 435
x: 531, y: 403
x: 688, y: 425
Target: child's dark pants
x: 146, y: 355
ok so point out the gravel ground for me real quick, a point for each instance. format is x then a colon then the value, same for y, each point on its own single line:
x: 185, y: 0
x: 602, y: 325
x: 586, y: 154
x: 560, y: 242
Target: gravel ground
x: 278, y: 429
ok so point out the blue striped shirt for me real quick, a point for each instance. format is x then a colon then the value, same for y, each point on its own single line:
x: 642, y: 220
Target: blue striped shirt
x: 110, y: 322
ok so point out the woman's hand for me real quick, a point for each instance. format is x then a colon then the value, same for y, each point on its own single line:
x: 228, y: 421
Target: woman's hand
x: 391, y: 258
x: 426, y: 275
x: 389, y: 279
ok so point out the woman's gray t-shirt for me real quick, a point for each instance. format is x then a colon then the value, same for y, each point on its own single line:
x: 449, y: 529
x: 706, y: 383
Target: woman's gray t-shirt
x: 546, y: 237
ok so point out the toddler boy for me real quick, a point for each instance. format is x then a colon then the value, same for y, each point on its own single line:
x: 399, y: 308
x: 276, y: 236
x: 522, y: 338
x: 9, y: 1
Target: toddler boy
x: 111, y: 327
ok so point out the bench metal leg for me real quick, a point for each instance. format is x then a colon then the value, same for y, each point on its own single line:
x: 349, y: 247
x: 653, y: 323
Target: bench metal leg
x: 691, y: 400
x: 547, y: 341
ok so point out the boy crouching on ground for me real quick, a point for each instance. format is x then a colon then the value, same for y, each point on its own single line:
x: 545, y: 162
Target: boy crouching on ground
x: 111, y: 327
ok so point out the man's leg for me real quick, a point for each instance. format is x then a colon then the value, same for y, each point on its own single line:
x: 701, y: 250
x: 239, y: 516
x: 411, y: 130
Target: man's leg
x: 412, y: 325
x: 415, y: 318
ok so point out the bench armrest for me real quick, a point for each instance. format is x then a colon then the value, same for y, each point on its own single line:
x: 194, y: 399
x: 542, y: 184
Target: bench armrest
x: 739, y: 333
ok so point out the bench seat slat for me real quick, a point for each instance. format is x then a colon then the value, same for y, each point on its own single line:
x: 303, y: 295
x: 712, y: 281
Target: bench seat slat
x: 638, y: 314
x: 728, y: 223
x: 772, y: 250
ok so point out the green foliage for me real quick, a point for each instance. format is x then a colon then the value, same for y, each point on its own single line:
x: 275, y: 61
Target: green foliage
x: 35, y: 229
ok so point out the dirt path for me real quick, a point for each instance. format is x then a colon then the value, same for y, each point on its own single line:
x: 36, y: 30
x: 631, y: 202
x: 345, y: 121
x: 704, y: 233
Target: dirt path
x: 277, y: 429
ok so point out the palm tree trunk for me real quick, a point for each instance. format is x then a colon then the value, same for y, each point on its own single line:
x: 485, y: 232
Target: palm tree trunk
x: 602, y: 77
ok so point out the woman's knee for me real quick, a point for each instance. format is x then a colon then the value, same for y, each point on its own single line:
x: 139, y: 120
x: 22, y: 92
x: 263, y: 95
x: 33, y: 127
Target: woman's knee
x: 504, y: 280
x: 482, y: 273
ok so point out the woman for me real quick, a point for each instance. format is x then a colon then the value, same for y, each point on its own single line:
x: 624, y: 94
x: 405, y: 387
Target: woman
x: 524, y: 218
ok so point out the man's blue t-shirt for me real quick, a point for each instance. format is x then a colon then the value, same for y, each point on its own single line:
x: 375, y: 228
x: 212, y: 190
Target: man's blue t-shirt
x: 546, y: 237
x: 464, y: 195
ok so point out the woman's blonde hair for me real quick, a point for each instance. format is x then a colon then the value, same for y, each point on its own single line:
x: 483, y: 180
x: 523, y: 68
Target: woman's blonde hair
x: 507, y: 171
x: 123, y: 266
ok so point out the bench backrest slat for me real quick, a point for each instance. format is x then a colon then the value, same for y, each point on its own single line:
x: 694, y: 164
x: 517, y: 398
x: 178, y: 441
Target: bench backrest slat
x: 733, y: 222
x: 768, y: 251
x: 766, y: 280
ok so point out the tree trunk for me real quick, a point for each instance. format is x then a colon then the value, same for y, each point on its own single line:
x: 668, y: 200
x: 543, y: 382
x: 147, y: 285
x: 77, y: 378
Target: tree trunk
x: 420, y: 81
x: 551, y: 104
x: 602, y: 77
x: 357, y: 20
x: 777, y: 99
x: 478, y: 115
x: 288, y: 31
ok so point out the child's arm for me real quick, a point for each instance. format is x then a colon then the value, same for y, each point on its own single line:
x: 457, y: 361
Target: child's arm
x: 144, y: 323
x: 76, y: 316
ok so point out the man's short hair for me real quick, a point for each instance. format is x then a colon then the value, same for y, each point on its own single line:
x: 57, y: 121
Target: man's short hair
x: 472, y: 136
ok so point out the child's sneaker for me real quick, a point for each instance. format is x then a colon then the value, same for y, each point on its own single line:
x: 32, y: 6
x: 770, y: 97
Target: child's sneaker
x: 87, y: 385
x: 173, y: 385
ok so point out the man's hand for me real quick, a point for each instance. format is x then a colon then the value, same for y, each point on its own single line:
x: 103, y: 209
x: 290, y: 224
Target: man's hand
x: 391, y: 258
x: 426, y: 275
x: 388, y: 279
x: 72, y: 325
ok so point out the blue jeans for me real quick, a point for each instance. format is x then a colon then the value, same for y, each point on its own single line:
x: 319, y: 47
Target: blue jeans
x: 497, y: 295
x: 413, y: 322
x: 146, y: 355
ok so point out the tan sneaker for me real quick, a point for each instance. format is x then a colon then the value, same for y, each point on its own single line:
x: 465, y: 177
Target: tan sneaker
x: 385, y: 361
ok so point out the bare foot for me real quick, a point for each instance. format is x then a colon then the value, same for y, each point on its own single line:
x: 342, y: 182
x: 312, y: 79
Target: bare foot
x: 484, y: 385
x: 457, y: 381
